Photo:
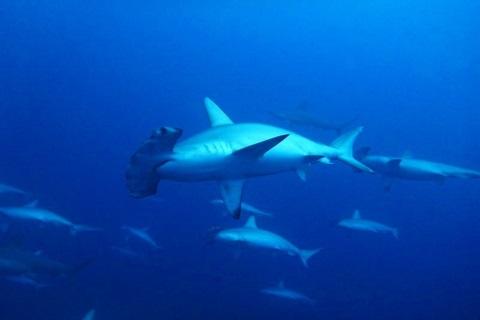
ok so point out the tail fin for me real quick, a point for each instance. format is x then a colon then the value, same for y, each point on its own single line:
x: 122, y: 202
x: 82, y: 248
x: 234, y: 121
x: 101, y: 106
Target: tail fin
x: 395, y: 233
x: 76, y: 228
x: 344, y: 145
x: 141, y: 175
x: 305, y: 255
x: 465, y: 174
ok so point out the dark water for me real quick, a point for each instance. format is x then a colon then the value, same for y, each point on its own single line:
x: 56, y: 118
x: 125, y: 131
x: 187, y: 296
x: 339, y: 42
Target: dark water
x: 82, y: 83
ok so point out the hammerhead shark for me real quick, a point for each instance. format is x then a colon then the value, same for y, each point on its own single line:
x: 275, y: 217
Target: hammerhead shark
x: 408, y: 168
x: 17, y: 262
x: 250, y: 234
x: 32, y: 212
x: 281, y: 292
x: 356, y: 222
x: 230, y: 153
x: 301, y: 116
x: 5, y: 188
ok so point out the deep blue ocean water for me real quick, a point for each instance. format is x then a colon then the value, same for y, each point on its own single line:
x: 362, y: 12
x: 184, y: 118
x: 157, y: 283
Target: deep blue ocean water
x: 83, y: 83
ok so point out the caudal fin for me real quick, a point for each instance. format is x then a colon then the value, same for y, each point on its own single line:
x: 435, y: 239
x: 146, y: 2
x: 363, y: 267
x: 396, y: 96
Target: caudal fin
x: 305, y: 255
x: 344, y: 145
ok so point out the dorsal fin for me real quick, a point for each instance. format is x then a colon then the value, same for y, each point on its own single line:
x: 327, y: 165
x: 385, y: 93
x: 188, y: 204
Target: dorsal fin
x: 257, y: 150
x: 215, y: 114
x: 251, y: 223
x: 356, y: 215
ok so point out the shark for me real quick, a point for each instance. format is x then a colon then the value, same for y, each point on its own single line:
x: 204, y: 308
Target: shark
x: 90, y: 315
x: 408, y: 168
x: 255, y: 237
x: 301, y: 116
x: 229, y: 153
x: 25, y: 280
x: 281, y: 292
x: 142, y: 234
x: 5, y: 188
x: 17, y: 262
x: 357, y: 223
x: 33, y: 212
x: 245, y: 207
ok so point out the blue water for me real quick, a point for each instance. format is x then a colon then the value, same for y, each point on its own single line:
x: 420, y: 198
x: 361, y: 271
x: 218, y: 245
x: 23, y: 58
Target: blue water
x: 82, y: 84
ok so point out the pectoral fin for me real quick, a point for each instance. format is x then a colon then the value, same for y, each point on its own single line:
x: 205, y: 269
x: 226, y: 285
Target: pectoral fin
x: 232, y: 196
x: 257, y: 150
x: 356, y: 215
x: 251, y: 223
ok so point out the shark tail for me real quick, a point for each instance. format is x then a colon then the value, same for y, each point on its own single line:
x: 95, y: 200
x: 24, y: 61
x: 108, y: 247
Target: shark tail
x: 344, y: 145
x: 305, y: 255
x: 468, y: 174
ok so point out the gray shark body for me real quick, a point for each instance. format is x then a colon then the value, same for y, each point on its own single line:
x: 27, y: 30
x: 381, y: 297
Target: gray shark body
x: 126, y: 252
x: 142, y: 234
x: 15, y: 262
x: 5, y: 188
x: 408, y: 168
x: 229, y: 153
x: 33, y: 213
x: 303, y: 118
x: 281, y: 292
x: 255, y: 237
x: 357, y: 223
x: 25, y: 281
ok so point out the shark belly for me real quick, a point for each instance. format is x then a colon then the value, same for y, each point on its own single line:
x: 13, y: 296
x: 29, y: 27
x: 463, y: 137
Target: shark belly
x: 407, y: 169
x: 267, y: 240
x: 210, y: 155
x: 366, y: 225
